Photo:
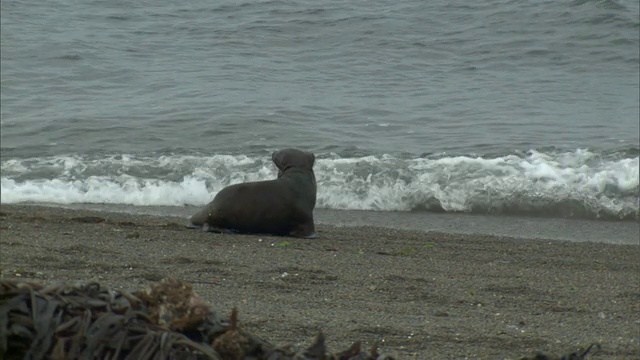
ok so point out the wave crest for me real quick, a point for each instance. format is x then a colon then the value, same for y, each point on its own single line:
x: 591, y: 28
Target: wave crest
x: 580, y: 183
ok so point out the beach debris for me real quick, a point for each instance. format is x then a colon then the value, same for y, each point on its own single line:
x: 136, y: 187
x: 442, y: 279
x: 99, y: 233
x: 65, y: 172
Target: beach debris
x: 174, y: 304
x: 578, y: 355
x: 167, y: 320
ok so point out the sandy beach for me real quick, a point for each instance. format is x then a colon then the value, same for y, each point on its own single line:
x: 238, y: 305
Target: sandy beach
x: 419, y: 295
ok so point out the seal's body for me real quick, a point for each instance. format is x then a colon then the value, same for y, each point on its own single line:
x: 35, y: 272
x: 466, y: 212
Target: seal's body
x: 283, y: 206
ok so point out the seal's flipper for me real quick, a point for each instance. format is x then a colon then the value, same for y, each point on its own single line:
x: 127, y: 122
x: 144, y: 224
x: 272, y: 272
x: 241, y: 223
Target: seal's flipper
x: 201, y: 217
x: 218, y: 230
x: 213, y: 229
x: 306, y: 230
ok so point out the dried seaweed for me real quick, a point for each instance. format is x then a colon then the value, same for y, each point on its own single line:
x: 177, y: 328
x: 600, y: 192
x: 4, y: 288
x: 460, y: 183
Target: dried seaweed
x: 168, y: 320
x: 165, y: 321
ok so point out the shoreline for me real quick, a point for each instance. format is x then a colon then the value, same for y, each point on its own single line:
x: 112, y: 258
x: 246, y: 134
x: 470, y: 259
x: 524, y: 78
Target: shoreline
x: 515, y: 226
x: 418, y: 294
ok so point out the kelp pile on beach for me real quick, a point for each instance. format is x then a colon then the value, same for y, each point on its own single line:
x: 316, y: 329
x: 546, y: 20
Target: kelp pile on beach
x: 165, y: 321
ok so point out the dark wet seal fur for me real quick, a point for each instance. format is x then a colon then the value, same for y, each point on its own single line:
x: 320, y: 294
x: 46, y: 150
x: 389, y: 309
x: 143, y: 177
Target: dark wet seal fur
x: 165, y: 321
x: 283, y: 206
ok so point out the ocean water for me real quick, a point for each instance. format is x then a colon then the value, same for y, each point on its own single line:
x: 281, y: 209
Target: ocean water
x: 497, y: 108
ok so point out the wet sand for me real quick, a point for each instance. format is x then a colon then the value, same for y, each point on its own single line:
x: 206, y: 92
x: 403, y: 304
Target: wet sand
x: 419, y: 295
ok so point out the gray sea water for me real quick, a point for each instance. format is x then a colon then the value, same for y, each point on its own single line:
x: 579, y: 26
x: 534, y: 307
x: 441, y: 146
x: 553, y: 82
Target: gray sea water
x: 488, y: 107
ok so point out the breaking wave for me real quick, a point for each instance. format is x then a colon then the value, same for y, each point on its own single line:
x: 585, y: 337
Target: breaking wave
x: 574, y: 184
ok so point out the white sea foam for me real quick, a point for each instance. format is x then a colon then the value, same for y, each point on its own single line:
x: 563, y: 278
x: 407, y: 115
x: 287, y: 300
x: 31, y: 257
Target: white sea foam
x: 576, y: 184
x: 105, y: 190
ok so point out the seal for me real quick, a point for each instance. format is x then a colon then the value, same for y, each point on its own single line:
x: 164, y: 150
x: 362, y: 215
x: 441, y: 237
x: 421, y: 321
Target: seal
x: 283, y: 206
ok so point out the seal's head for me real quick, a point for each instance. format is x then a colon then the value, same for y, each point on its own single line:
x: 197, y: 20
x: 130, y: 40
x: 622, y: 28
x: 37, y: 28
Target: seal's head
x: 293, y: 158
